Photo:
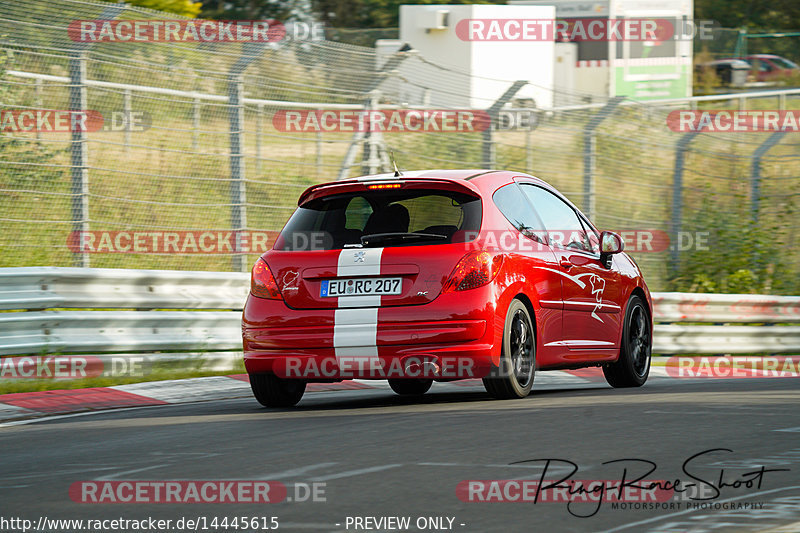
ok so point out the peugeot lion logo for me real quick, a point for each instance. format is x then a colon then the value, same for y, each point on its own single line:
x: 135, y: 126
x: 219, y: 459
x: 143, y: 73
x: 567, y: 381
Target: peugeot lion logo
x: 358, y: 257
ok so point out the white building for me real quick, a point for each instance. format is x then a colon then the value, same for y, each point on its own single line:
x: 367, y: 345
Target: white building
x: 455, y: 72
x: 638, y: 68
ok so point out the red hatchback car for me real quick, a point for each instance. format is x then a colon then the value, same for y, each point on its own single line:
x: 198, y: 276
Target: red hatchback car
x: 442, y: 275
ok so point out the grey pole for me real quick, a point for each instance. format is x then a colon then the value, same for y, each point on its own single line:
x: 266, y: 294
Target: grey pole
x: 755, y: 172
x: 79, y: 155
x: 590, y: 154
x: 259, y: 132
x: 488, y: 148
x: 319, y: 153
x: 681, y: 148
x: 79, y: 150
x: 372, y: 139
x: 38, y: 99
x: 250, y: 53
x: 127, y: 111
x: 237, y: 185
x: 195, y: 124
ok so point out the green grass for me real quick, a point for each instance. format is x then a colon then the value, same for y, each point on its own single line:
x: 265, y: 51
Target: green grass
x: 158, y: 374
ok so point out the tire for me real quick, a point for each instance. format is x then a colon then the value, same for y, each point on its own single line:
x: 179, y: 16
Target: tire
x: 633, y: 365
x: 410, y: 387
x: 272, y: 391
x: 514, y: 378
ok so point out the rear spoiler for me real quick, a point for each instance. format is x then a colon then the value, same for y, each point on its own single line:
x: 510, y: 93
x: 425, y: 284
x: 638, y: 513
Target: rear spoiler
x: 362, y: 184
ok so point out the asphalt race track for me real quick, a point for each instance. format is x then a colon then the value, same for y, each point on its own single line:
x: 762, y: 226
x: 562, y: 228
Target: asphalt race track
x: 380, y: 455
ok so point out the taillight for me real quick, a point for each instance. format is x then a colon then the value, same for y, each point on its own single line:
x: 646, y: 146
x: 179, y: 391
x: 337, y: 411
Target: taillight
x: 262, y: 282
x: 473, y: 270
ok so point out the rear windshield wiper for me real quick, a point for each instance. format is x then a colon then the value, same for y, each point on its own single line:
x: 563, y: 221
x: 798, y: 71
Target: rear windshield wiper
x: 378, y: 238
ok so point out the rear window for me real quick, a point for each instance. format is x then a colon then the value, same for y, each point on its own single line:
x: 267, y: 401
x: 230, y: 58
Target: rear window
x: 383, y: 218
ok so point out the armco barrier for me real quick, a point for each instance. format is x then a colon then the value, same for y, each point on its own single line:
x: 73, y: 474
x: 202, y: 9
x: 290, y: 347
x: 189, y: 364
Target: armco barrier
x: 713, y: 323
x: 110, y: 288
x: 151, y: 314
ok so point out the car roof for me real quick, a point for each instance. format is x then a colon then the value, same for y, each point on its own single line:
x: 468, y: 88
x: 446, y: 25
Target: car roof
x: 453, y: 174
x: 476, y: 177
x: 481, y: 181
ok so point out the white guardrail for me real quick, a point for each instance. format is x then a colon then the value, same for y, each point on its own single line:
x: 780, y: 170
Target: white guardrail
x: 157, y: 310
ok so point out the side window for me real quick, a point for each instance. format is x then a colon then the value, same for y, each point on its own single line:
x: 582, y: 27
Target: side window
x: 564, y: 228
x: 517, y: 211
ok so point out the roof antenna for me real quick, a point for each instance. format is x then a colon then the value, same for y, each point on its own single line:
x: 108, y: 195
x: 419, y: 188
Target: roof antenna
x: 397, y: 172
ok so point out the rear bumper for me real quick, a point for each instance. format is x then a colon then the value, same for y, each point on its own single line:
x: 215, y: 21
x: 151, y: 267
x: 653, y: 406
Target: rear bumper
x: 386, y: 334
x: 420, y: 361
x: 452, y: 337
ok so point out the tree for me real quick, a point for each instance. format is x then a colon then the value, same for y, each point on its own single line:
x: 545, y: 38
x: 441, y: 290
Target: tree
x: 372, y: 13
x: 754, y: 14
x: 249, y: 9
x: 185, y: 8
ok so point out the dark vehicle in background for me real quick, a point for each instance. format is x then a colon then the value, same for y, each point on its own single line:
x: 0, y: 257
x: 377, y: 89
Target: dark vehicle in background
x: 732, y: 72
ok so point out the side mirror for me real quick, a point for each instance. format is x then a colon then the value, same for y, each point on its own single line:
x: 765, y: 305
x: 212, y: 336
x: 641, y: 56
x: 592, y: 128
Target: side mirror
x: 610, y: 244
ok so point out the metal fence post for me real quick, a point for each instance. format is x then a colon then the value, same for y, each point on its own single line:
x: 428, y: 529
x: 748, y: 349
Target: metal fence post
x: 488, y: 148
x: 238, y: 195
x: 79, y: 149
x: 127, y: 113
x: 528, y: 152
x: 259, y: 128
x: 196, y: 124
x: 319, y: 152
x: 38, y: 101
x: 372, y: 139
x: 488, y: 152
x: 755, y: 172
x: 364, y: 138
x: 237, y: 186
x: 677, y: 196
x: 79, y: 155
x: 590, y: 154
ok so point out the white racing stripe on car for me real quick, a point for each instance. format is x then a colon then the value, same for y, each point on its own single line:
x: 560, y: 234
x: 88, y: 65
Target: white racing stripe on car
x: 355, y: 322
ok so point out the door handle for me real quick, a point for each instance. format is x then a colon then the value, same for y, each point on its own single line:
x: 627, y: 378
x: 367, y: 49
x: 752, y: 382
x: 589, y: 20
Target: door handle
x: 565, y: 263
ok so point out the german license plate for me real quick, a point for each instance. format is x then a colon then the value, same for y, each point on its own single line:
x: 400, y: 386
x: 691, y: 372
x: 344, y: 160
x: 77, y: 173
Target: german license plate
x: 360, y: 287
